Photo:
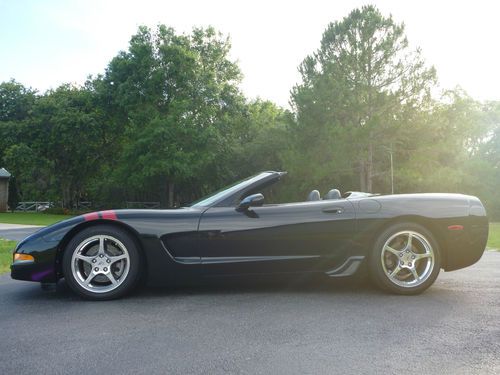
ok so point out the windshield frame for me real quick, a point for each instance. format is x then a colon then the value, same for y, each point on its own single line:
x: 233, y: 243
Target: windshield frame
x: 232, y: 190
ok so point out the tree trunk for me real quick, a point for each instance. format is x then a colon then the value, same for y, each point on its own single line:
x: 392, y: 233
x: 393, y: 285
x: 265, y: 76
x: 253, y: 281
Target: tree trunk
x: 366, y: 171
x: 164, y: 192
x: 66, y: 190
x: 171, y: 188
x: 369, y: 169
x: 362, y: 176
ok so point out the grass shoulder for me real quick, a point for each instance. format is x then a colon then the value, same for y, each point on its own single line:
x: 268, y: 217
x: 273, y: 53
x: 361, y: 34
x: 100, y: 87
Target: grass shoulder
x: 494, y: 236
x: 6, y: 249
x: 31, y: 218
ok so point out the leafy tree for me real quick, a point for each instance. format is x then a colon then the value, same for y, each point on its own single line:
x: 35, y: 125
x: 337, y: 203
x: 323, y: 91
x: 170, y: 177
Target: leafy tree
x: 483, y: 169
x: 16, y: 110
x: 29, y: 180
x: 178, y: 96
x: 490, y: 150
x: 260, y: 142
x: 71, y: 135
x: 435, y: 150
x: 16, y: 106
x: 262, y: 137
x: 16, y: 101
x: 362, y: 84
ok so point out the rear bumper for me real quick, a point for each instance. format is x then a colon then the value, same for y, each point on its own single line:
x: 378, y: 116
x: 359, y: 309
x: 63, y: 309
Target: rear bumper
x: 466, y: 247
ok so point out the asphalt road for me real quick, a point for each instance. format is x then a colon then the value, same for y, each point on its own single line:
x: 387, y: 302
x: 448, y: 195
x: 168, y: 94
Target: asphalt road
x: 344, y: 328
x: 16, y: 233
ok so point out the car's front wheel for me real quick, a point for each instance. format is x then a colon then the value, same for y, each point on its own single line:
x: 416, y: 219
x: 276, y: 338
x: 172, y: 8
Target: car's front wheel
x: 101, y: 262
x: 405, y: 259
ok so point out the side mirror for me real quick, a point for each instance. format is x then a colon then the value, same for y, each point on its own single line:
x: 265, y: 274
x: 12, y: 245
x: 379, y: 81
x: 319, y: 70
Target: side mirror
x: 253, y: 200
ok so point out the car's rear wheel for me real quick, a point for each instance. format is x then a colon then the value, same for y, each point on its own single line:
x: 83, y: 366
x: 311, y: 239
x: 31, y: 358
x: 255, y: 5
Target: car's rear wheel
x: 101, y: 262
x: 405, y: 259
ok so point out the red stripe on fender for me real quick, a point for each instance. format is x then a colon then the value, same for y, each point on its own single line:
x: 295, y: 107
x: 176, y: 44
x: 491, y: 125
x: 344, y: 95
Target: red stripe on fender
x: 456, y: 227
x: 109, y: 215
x: 91, y: 216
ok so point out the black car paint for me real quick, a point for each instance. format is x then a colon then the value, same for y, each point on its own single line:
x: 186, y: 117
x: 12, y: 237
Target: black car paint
x: 296, y: 237
x: 327, y: 236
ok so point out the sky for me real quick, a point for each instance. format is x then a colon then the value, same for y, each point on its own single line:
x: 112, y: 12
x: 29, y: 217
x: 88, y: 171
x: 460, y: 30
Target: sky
x: 49, y: 42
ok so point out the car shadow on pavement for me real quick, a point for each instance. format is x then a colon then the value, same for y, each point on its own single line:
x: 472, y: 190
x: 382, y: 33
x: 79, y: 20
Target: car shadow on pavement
x: 228, y: 286
x: 234, y: 286
x: 235, y: 296
x: 231, y: 287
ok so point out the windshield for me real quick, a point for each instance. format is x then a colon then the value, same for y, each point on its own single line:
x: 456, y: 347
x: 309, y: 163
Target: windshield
x: 226, y: 191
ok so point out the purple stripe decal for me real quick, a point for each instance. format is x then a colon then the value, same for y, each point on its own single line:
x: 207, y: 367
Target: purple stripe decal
x: 37, y: 276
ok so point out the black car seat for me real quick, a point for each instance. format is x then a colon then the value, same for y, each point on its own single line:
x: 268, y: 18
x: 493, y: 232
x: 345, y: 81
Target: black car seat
x: 333, y: 194
x: 314, y: 196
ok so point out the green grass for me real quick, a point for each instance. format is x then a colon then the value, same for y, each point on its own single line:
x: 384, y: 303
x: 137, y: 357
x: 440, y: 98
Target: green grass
x: 6, y: 248
x: 30, y: 218
x: 494, y: 237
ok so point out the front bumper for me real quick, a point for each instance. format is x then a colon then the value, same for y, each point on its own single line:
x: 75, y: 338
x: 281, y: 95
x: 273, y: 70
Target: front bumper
x: 31, y: 271
x: 42, y: 268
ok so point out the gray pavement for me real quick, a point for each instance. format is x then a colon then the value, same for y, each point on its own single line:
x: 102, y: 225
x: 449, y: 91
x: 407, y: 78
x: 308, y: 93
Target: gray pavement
x: 329, y: 328
x: 17, y: 233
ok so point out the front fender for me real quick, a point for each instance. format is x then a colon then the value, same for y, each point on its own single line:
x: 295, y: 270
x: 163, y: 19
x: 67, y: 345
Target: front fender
x: 44, y: 245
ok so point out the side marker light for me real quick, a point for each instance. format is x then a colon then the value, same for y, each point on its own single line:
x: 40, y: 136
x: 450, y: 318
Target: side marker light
x: 23, y: 258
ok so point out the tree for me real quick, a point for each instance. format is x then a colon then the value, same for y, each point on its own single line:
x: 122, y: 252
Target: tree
x: 436, y: 150
x: 16, y: 111
x: 262, y: 139
x: 178, y: 97
x: 483, y: 168
x: 364, y: 83
x: 16, y: 107
x: 71, y: 135
x: 16, y: 101
x: 490, y: 150
x: 25, y: 166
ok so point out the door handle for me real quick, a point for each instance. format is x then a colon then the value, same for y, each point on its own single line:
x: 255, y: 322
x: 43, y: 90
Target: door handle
x: 333, y: 210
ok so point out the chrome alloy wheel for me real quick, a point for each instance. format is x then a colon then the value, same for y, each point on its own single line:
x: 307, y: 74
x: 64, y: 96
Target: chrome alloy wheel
x: 100, y: 263
x: 407, y: 259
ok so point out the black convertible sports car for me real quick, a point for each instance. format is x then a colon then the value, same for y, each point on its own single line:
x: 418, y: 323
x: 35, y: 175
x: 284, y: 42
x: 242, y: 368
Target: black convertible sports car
x: 404, y: 240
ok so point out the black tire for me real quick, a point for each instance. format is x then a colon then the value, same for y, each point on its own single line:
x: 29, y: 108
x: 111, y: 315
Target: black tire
x: 383, y: 280
x: 134, y: 260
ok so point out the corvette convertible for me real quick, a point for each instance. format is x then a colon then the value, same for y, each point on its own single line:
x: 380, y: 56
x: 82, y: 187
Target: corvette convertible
x: 402, y: 240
